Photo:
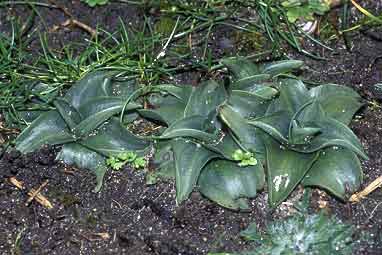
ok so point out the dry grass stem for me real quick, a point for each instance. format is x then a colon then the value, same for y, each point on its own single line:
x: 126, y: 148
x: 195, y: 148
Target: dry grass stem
x: 34, y: 194
x: 355, y: 198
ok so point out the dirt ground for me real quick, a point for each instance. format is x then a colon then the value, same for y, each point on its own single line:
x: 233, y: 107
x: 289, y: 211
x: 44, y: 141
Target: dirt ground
x: 130, y: 217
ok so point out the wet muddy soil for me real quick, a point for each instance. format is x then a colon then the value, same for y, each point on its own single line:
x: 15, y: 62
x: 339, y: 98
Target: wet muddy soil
x: 126, y: 217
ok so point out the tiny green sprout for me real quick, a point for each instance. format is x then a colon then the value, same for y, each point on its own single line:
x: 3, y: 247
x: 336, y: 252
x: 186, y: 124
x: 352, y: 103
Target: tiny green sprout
x: 111, y: 160
x: 118, y: 165
x: 139, y: 162
x: 114, y: 163
x: 245, y: 158
x: 121, y: 159
x: 301, y: 9
x: 128, y: 156
x: 251, y: 161
x: 93, y: 3
x: 238, y: 155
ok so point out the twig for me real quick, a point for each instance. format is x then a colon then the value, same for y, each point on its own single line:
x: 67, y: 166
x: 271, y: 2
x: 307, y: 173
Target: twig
x: 96, y: 236
x: 151, y: 130
x: 36, y: 192
x: 66, y: 171
x: 38, y: 197
x: 79, y: 24
x: 355, y: 198
x: 72, y: 21
x: 62, y: 8
x: 8, y: 131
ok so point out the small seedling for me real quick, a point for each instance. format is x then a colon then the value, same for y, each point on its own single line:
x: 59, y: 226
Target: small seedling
x: 297, y: 9
x: 118, y: 161
x: 245, y: 158
x: 139, y: 162
x: 93, y: 3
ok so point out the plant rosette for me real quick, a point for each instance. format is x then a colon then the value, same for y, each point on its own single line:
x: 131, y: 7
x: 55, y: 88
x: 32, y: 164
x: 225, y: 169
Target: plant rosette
x: 223, y: 140
x: 85, y: 123
x: 300, y: 234
x: 226, y: 140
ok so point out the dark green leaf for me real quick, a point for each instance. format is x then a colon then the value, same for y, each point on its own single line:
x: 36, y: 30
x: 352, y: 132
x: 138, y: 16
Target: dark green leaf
x: 78, y: 155
x: 168, y: 109
x: 112, y: 138
x: 205, y: 99
x: 100, y: 104
x: 122, y: 89
x: 227, y: 184
x: 276, y: 125
x: 181, y: 92
x: 248, y: 136
x: 248, y: 104
x: 285, y: 170
x: 226, y: 146
x: 336, y: 170
x: 97, y: 111
x: 40, y: 92
x: 301, y: 135
x: 293, y: 95
x: 190, y: 158
x: 262, y: 90
x: 193, y: 127
x: 253, y: 83
x: 92, y: 85
x: 164, y: 160
x: 241, y: 68
x: 27, y: 116
x: 338, y: 102
x: 71, y: 116
x: 48, y: 128
x: 311, y: 112
x: 283, y: 66
x: 247, y: 75
x: 332, y: 132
